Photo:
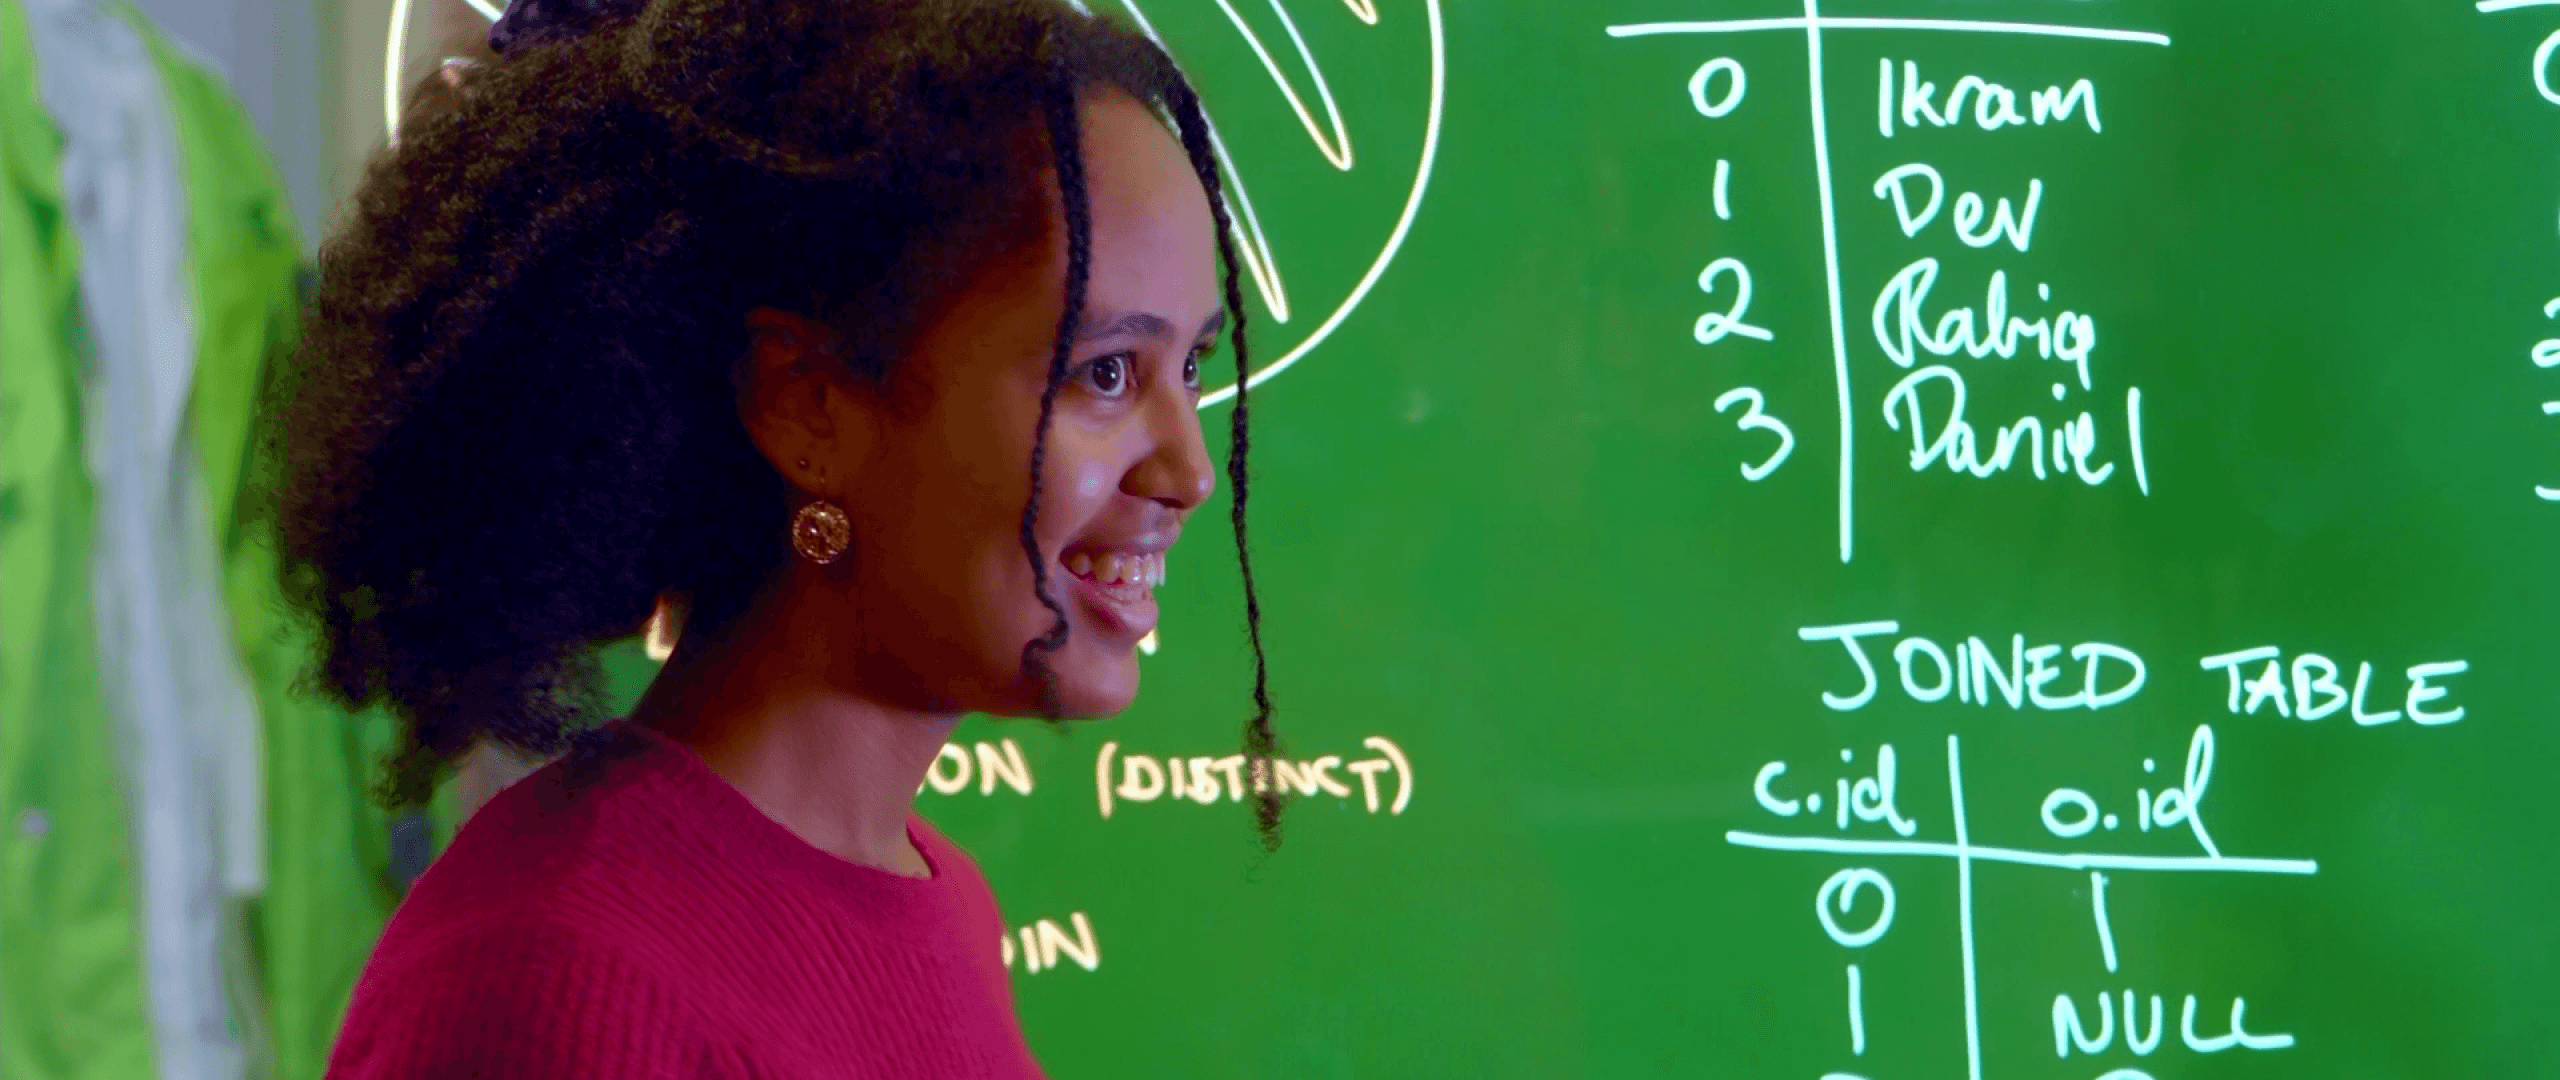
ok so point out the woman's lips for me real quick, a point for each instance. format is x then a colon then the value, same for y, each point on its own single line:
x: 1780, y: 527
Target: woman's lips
x: 1118, y: 589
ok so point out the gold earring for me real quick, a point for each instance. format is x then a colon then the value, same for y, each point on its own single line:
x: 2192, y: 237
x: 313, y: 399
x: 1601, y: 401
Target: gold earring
x: 820, y: 532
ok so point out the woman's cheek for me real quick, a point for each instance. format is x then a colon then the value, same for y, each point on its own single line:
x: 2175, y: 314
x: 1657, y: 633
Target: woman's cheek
x: 1081, y: 453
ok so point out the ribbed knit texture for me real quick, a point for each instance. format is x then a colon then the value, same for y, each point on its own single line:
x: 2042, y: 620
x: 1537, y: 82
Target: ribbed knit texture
x: 641, y: 918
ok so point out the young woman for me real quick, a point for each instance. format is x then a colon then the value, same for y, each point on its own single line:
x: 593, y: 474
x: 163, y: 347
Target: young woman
x: 868, y: 333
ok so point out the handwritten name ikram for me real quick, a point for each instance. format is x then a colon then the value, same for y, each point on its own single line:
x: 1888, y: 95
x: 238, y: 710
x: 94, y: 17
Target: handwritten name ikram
x: 1975, y: 101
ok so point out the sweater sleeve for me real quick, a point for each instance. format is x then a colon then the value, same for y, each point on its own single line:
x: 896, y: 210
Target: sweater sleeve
x: 551, y: 1004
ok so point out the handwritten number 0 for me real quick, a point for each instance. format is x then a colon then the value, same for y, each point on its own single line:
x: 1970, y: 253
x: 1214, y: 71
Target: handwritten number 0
x: 1754, y: 419
x: 1735, y: 86
x: 1714, y: 325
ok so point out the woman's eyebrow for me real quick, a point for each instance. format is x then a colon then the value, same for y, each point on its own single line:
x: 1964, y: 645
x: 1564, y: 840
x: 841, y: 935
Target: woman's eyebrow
x: 1139, y: 324
x: 1144, y: 325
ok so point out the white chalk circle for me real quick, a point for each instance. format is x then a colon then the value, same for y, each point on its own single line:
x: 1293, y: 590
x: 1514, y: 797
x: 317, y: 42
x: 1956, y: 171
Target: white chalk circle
x: 1842, y: 891
x: 1734, y: 87
x: 1251, y: 245
x: 2070, y: 797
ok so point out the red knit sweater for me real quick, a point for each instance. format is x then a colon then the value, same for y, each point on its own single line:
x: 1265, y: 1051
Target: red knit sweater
x: 646, y: 920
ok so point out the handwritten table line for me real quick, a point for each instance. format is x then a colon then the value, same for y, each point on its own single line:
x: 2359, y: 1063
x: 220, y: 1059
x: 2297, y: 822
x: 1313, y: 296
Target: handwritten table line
x: 1838, y: 22
x: 1831, y: 270
x: 2056, y: 860
x: 1965, y: 853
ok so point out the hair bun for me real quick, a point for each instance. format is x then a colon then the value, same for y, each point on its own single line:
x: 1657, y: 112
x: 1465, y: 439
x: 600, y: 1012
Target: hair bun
x: 528, y: 23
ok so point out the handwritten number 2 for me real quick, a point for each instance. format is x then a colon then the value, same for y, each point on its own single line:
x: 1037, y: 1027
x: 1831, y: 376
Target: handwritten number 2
x: 2546, y: 352
x: 1714, y: 325
x: 1754, y: 419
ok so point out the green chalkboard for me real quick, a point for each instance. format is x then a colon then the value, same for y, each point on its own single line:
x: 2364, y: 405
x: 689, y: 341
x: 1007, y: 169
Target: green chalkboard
x: 2211, y: 650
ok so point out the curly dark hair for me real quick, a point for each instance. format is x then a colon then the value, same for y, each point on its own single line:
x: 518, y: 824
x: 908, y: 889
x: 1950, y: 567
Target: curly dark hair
x: 510, y: 427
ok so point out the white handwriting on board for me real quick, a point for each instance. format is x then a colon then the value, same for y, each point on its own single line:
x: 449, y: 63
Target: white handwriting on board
x: 1753, y: 418
x: 1993, y: 106
x: 1854, y: 812
x: 1929, y: 403
x: 1384, y: 782
x: 1904, y: 330
x: 993, y: 764
x: 1716, y: 89
x: 1714, y: 325
x: 2071, y: 1033
x: 1855, y: 906
x: 1868, y: 798
x: 1044, y: 941
x: 2070, y: 813
x: 2017, y: 226
x: 2308, y: 688
x: 2546, y: 352
x: 1947, y: 437
x: 1974, y: 673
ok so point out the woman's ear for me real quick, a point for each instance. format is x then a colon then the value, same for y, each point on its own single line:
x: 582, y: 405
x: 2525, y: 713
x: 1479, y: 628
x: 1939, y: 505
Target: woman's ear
x: 794, y: 397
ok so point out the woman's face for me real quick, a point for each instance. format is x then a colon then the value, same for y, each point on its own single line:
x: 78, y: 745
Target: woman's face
x: 938, y: 596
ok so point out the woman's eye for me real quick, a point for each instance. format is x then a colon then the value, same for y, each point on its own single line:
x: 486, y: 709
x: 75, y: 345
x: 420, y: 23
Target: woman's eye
x: 1109, y: 374
x: 1191, y: 367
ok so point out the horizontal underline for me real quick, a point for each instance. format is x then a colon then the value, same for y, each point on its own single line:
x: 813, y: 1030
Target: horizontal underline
x: 2081, y: 861
x: 1834, y: 22
x: 2491, y: 7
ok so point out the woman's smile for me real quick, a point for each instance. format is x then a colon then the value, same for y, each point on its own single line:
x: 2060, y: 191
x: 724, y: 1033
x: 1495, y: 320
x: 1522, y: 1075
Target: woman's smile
x: 1116, y: 586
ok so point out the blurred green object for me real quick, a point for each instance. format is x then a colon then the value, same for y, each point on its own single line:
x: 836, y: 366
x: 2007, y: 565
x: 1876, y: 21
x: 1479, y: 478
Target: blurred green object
x: 71, y: 998
x: 72, y: 968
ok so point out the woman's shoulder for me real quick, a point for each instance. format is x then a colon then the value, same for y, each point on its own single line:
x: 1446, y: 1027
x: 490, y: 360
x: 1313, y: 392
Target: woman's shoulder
x: 537, y: 944
x: 593, y: 817
x: 588, y: 853
x: 522, y: 990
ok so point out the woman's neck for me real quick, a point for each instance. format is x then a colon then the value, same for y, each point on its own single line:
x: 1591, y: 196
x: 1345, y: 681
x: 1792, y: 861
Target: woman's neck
x: 837, y: 768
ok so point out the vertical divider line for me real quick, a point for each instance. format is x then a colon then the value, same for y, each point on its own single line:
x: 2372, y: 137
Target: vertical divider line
x: 1830, y: 261
x: 1964, y: 911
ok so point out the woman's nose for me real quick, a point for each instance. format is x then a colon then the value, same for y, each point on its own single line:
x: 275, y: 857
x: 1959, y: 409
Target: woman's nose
x: 1176, y: 470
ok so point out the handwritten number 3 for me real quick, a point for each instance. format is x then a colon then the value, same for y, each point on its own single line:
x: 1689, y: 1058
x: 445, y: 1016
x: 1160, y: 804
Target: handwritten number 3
x: 1714, y: 325
x: 1754, y: 419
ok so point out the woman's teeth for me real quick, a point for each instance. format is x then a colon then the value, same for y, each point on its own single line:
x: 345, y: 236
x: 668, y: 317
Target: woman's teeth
x: 1114, y: 569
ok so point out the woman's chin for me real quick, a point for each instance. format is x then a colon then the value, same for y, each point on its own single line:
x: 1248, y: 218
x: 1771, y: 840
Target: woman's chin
x: 1092, y: 687
x: 1092, y: 680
